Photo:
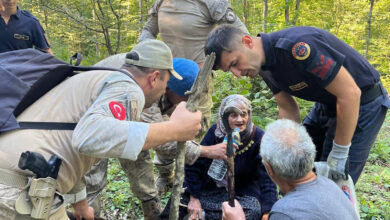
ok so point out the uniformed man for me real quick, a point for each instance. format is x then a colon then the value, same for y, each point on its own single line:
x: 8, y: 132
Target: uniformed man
x: 19, y: 29
x: 184, y: 25
x: 140, y: 172
x: 312, y: 64
x: 107, y: 106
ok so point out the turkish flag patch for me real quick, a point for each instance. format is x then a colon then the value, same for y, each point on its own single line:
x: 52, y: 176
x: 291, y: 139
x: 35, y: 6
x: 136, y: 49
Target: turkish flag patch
x: 117, y: 110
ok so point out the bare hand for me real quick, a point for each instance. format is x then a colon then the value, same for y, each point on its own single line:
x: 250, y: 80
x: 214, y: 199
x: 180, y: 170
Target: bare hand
x: 194, y: 208
x: 265, y: 216
x: 185, y: 123
x: 232, y: 213
x: 217, y: 151
x: 83, y: 210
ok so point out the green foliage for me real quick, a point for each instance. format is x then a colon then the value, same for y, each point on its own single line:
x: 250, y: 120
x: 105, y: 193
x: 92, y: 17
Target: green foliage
x: 373, y: 187
x: 97, y: 29
x: 118, y: 201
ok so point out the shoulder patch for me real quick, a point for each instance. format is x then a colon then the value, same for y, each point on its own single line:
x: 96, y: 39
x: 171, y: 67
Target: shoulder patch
x: 133, y: 110
x: 117, y: 110
x: 322, y: 66
x: 301, y: 51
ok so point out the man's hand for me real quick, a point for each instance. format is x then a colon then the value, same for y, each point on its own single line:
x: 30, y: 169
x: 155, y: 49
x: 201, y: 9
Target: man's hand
x: 83, y: 210
x: 337, y: 160
x: 185, y: 123
x: 217, y: 151
x: 194, y: 209
x: 232, y: 213
x: 265, y: 216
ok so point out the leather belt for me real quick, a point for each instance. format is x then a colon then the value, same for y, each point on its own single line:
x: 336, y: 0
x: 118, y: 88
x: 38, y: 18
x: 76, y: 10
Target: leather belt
x: 371, y: 93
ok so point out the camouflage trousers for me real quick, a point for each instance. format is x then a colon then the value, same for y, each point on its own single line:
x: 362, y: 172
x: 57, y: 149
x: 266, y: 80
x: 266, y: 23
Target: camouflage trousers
x: 140, y: 172
x: 8, y: 197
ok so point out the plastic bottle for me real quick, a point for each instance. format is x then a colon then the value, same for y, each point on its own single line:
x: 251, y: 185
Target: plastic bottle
x: 219, y: 167
x: 346, y: 186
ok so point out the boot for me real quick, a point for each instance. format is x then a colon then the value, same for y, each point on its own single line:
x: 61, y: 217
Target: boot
x: 152, y: 209
x: 164, y: 181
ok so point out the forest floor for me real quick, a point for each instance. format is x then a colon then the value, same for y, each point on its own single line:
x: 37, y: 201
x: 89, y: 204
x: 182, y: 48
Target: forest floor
x: 373, y: 187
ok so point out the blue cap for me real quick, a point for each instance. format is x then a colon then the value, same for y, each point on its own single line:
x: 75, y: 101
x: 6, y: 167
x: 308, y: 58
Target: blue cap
x: 188, y: 69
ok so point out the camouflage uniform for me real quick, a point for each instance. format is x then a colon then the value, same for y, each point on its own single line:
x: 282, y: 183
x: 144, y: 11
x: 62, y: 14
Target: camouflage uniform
x: 184, y: 26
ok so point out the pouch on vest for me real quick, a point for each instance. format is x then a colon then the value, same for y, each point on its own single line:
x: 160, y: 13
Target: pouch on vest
x: 25, y: 76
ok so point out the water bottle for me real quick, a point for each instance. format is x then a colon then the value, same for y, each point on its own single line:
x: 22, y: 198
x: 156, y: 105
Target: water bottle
x: 219, y: 167
x: 346, y: 186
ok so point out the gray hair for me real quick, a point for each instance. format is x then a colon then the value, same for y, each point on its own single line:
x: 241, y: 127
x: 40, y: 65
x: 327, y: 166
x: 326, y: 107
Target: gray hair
x: 288, y: 149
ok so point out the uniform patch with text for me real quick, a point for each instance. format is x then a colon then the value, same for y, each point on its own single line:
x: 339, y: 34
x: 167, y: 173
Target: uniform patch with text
x: 117, y: 110
x: 301, y: 51
x: 322, y: 66
x: 298, y: 86
x: 21, y: 37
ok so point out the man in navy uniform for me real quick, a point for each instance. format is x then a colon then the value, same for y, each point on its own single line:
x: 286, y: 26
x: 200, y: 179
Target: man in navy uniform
x: 312, y: 64
x: 19, y: 29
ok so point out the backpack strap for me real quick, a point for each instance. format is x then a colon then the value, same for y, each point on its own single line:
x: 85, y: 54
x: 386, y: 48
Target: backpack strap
x: 65, y: 125
x: 47, y: 125
x: 89, y: 68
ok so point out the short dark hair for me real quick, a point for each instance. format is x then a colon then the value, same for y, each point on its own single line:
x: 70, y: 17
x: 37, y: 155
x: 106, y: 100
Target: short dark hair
x: 220, y: 40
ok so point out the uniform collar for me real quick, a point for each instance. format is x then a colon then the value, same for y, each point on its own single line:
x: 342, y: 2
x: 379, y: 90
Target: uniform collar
x: 268, y: 50
x: 18, y: 13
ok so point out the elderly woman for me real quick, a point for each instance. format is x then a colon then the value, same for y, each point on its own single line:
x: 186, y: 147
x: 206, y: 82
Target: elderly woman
x: 253, y: 187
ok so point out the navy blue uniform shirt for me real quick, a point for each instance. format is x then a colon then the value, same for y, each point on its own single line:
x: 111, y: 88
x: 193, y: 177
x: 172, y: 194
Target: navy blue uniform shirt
x: 22, y: 31
x: 302, y: 61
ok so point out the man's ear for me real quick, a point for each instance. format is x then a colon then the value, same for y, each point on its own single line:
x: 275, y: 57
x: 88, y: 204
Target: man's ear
x: 153, y: 77
x: 269, y: 169
x: 247, y: 41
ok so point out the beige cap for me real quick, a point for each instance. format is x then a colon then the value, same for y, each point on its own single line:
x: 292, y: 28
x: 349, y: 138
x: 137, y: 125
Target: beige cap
x: 153, y: 54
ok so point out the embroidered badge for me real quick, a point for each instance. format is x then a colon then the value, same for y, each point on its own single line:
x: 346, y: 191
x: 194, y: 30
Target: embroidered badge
x: 117, y: 110
x: 298, y: 86
x: 301, y: 51
x: 322, y: 66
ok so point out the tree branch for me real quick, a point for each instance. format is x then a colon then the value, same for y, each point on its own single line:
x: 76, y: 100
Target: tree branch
x: 198, y: 92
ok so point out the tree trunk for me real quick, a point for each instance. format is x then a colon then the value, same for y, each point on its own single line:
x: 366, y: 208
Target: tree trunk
x: 287, y: 13
x: 199, y: 90
x: 105, y: 28
x: 141, y: 16
x: 369, y: 28
x: 118, y: 27
x: 296, y: 13
x: 265, y: 15
x: 245, y: 12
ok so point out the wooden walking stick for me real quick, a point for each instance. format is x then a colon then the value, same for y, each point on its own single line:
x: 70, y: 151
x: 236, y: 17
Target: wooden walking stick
x: 229, y: 154
x: 198, y: 91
